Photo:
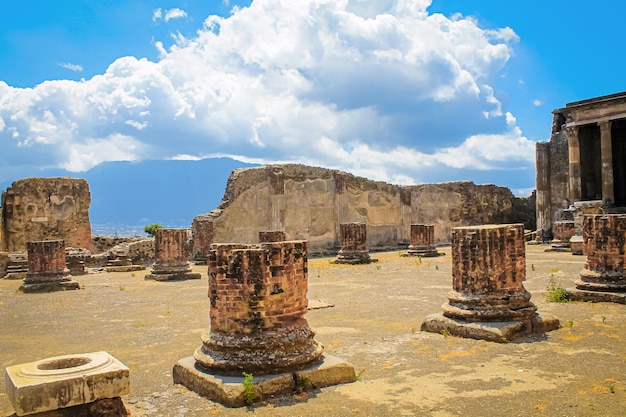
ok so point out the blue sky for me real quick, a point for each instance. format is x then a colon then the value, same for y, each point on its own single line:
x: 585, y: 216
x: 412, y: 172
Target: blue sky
x: 404, y: 91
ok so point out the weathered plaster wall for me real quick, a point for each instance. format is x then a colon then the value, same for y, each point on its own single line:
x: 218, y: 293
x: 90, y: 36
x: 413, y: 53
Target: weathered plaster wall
x: 35, y: 209
x: 309, y: 203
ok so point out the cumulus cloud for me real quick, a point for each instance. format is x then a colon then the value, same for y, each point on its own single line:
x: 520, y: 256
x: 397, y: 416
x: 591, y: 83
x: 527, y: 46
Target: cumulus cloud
x: 167, y: 15
x: 383, y: 89
x: 72, y: 67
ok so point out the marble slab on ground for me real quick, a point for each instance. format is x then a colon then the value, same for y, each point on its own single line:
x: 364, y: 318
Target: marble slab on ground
x: 229, y: 390
x: 501, y: 332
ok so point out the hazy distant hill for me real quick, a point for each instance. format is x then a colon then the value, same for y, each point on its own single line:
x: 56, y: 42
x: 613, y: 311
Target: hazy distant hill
x: 171, y: 193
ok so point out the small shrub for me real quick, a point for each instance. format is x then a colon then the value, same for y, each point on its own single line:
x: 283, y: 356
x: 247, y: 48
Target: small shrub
x: 303, y: 384
x: 249, y: 395
x: 556, y: 292
x: 152, y: 228
x: 360, y: 374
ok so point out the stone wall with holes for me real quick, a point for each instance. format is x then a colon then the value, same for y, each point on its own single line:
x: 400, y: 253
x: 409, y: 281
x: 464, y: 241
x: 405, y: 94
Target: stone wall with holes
x: 257, y: 287
x: 35, y: 209
x: 309, y: 203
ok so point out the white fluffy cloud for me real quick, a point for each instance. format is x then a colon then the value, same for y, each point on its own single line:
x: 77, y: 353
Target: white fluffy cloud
x: 382, y: 89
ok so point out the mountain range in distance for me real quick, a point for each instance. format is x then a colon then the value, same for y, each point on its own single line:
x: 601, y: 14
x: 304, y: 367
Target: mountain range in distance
x: 126, y: 196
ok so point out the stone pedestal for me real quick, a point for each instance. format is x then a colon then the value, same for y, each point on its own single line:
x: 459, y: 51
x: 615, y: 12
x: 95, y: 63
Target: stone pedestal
x: 171, y: 250
x: 76, y: 259
x: 488, y: 299
x: 562, y: 232
x: 47, y: 268
x: 422, y: 241
x: 258, y: 302
x: 271, y: 236
x: 202, y: 233
x: 604, y: 240
x: 353, y: 241
x: 71, y: 384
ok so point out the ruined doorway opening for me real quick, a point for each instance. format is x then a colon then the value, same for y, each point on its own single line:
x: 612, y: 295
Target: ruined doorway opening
x: 618, y: 145
x: 590, y: 162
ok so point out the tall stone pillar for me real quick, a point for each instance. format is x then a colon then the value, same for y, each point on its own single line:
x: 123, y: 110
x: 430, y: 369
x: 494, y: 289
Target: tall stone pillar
x: 47, y: 268
x: 258, y: 302
x: 606, y: 150
x: 353, y: 240
x: 171, y: 252
x: 488, y: 270
x: 604, y: 240
x: 543, y: 201
x: 271, y: 236
x: 423, y: 241
x: 575, y: 181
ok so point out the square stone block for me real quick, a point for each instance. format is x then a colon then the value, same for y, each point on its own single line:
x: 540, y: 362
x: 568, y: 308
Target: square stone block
x: 501, y: 332
x: 229, y: 390
x: 65, y: 381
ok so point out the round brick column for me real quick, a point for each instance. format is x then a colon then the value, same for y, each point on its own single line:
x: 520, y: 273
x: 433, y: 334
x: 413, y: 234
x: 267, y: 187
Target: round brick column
x: 488, y: 270
x: 47, y: 267
x: 258, y: 302
x: 353, y: 241
x: 604, y: 240
x: 171, y: 252
x: 562, y: 231
x: 423, y: 240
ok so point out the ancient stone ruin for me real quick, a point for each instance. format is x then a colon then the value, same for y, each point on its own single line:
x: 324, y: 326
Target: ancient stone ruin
x: 488, y: 299
x: 258, y: 301
x: 88, y: 384
x: 353, y: 244
x: 583, y: 161
x: 309, y: 203
x: 36, y: 209
x: 202, y: 236
x: 47, y: 268
x: 422, y: 241
x: 562, y: 232
x: 271, y: 236
x: 171, y: 251
x: 602, y: 278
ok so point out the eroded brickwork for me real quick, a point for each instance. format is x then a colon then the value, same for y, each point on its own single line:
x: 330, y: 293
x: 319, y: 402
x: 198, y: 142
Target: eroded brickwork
x: 562, y: 231
x: 271, y: 236
x: 422, y: 240
x: 171, y: 253
x: 47, y: 267
x: 604, y: 241
x: 488, y: 270
x: 258, y: 301
x: 202, y: 232
x: 35, y: 209
x: 353, y: 241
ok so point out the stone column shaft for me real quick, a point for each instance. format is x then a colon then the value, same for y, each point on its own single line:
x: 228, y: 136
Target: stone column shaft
x: 575, y: 182
x: 606, y: 149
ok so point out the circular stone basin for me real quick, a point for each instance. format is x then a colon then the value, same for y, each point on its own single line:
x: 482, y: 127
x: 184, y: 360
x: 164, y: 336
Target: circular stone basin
x: 63, y: 363
x: 66, y: 365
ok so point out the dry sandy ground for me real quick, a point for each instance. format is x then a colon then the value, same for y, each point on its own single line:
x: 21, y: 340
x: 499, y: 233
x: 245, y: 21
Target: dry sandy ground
x: 579, y: 370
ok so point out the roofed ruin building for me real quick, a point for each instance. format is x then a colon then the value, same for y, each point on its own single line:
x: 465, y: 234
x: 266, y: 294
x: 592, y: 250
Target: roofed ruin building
x: 583, y: 161
x: 37, y: 209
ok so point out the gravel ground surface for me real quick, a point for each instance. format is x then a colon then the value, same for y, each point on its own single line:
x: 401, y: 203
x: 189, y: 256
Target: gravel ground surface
x: 578, y: 370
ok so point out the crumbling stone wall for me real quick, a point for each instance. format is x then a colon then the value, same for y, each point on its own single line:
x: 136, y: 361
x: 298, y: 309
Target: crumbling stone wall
x: 36, y: 209
x: 310, y: 203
